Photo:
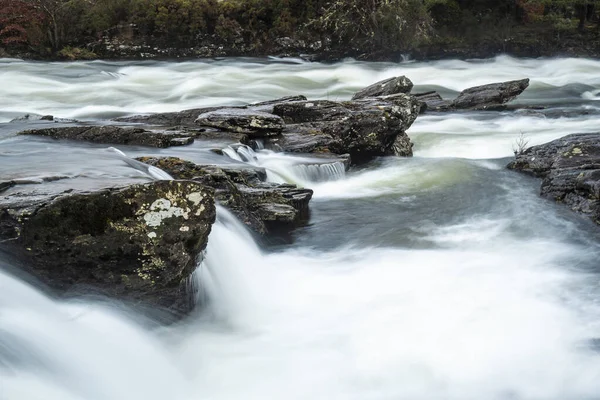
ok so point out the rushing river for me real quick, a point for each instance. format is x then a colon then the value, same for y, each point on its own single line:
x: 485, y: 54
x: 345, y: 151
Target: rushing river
x: 442, y: 276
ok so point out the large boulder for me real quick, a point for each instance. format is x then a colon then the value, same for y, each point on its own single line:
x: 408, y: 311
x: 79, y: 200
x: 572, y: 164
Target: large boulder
x: 364, y: 129
x: 140, y: 243
x: 251, y: 122
x: 267, y: 208
x: 570, y: 168
x: 115, y: 135
x: 395, y: 85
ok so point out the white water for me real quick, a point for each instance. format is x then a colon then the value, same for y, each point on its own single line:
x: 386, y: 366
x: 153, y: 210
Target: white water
x: 89, y: 90
x: 481, y: 290
x: 283, y: 168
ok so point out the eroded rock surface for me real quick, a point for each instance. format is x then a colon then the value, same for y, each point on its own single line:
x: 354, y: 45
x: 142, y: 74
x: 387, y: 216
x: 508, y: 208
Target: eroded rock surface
x: 139, y: 242
x: 570, y: 168
x: 115, y: 135
x: 251, y: 122
x: 493, y: 96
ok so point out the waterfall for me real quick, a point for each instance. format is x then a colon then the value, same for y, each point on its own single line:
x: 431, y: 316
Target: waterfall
x: 285, y: 168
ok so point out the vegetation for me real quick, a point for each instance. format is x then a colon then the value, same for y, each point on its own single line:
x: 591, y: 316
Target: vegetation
x: 48, y: 26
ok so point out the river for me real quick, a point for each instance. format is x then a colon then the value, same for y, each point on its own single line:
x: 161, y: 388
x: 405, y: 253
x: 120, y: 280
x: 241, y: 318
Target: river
x: 442, y: 276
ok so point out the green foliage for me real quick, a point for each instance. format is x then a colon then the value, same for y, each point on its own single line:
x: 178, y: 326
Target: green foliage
x: 363, y: 25
x: 76, y: 53
x: 387, y: 24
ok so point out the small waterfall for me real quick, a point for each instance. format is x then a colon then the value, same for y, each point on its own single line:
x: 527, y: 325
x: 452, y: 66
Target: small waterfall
x: 221, y: 277
x: 284, y: 168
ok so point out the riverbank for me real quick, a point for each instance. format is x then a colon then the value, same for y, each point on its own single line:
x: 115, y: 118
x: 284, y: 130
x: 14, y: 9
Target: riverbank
x: 123, y: 44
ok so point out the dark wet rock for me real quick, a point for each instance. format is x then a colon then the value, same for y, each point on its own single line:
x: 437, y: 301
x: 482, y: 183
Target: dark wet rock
x: 33, y: 117
x: 399, y: 84
x: 491, y: 96
x: 432, y: 101
x: 185, y: 118
x: 267, y: 208
x: 310, y: 111
x: 570, y: 168
x: 251, y: 122
x: 286, y: 99
x: 4, y: 185
x: 364, y: 129
x: 297, y: 138
x: 115, y: 135
x: 139, y: 243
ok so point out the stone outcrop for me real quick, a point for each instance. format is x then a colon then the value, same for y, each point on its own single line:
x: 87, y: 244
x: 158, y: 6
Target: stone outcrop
x: 493, y: 96
x: 115, y: 135
x: 266, y: 208
x: 570, y: 168
x: 490, y: 96
x: 364, y: 129
x: 395, y: 85
x: 138, y: 243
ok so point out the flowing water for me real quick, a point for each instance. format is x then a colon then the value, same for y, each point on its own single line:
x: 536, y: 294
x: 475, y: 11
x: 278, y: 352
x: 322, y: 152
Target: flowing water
x: 442, y: 276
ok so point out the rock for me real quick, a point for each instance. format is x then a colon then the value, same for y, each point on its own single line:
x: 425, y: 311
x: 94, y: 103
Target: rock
x: 432, y: 101
x: 297, y: 138
x: 139, y: 243
x: 251, y: 122
x: 364, y: 129
x: 570, y: 168
x: 267, y: 208
x: 115, y: 135
x: 399, y: 84
x: 487, y: 97
x: 185, y: 118
x: 491, y: 96
x: 310, y: 111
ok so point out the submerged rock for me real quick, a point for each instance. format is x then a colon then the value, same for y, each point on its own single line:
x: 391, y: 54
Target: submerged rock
x: 570, y: 168
x: 139, y: 242
x: 251, y: 122
x: 115, y: 135
x: 267, y: 208
x: 395, y: 85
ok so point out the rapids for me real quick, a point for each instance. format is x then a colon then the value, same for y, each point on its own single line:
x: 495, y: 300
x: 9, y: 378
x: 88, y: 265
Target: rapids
x: 442, y: 276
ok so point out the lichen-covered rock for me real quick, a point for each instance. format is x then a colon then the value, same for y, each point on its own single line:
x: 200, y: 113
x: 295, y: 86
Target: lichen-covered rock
x: 139, y: 242
x: 570, y: 168
x: 115, y: 135
x: 364, y: 129
x: 251, y: 122
x: 386, y: 87
x: 267, y: 208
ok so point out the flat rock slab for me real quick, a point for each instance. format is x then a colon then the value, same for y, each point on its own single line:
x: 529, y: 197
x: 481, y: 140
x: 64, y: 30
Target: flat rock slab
x: 570, y: 168
x: 138, y: 242
x: 115, y: 135
x: 399, y: 84
x: 251, y: 122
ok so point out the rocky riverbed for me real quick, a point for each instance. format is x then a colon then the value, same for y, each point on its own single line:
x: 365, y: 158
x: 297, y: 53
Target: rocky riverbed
x: 142, y: 242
